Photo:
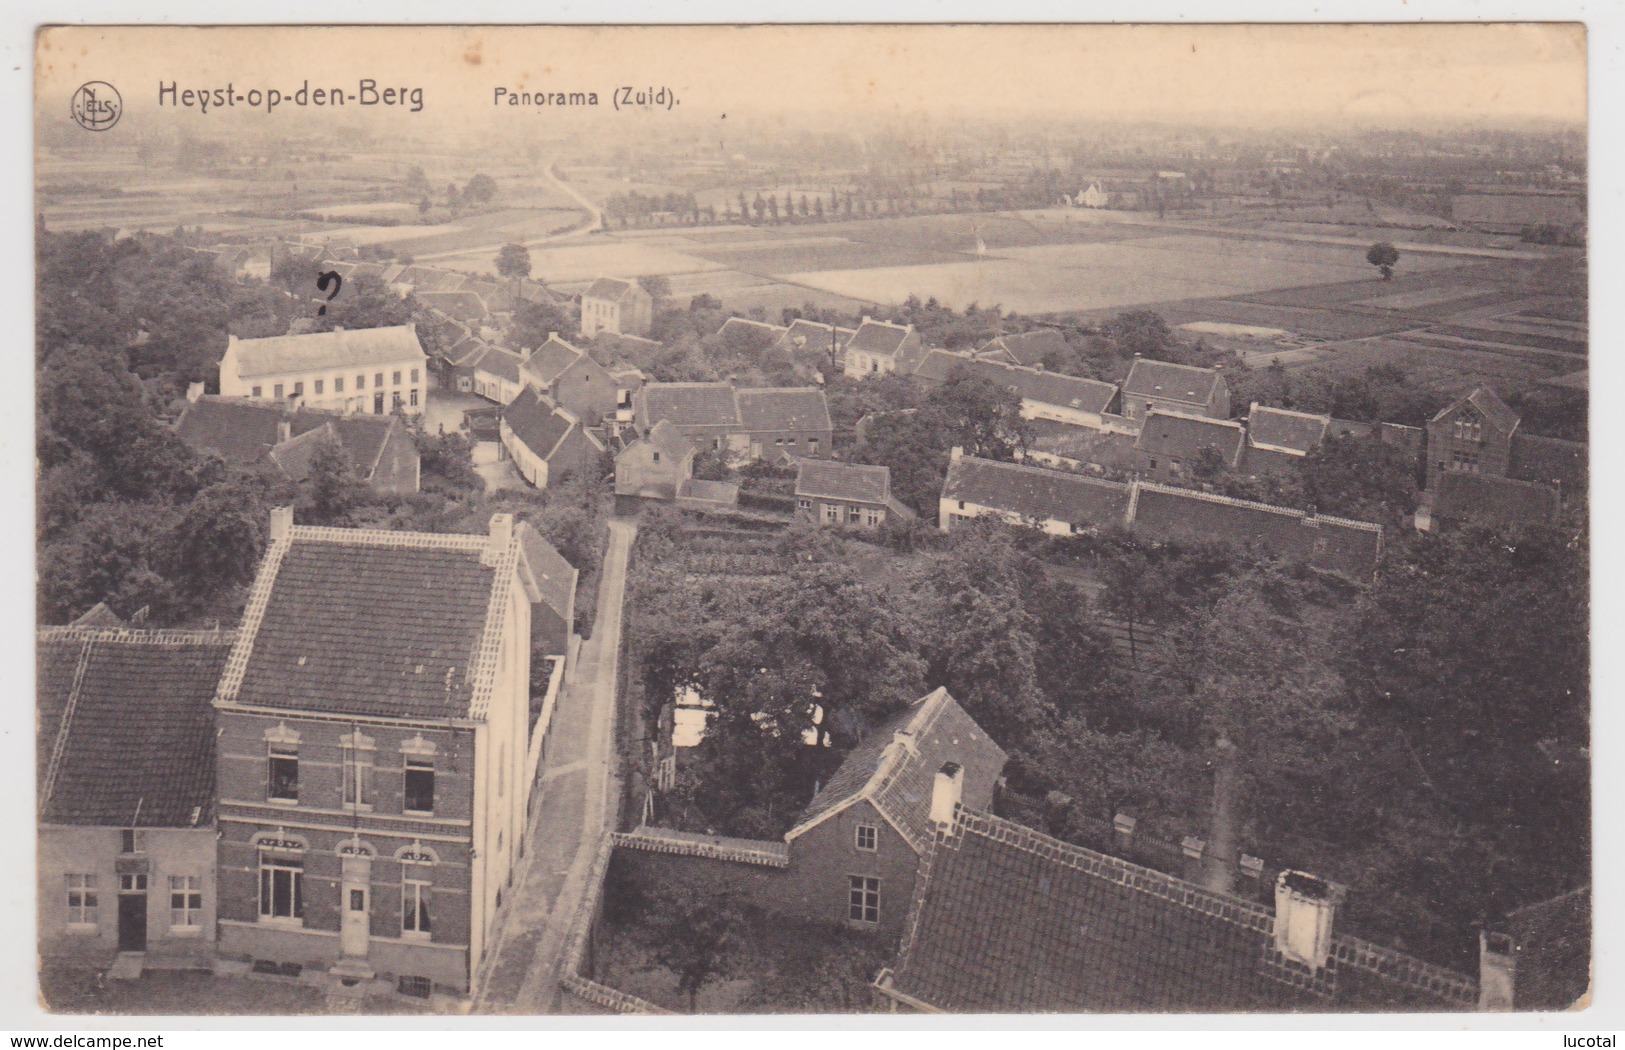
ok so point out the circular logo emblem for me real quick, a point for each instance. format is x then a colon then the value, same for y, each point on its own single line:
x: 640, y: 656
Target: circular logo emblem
x: 97, y: 106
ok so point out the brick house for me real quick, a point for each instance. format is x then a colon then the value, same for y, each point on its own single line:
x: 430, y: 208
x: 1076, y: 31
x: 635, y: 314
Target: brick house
x: 1176, y: 388
x: 1028, y: 348
x: 878, y: 347
x: 545, y: 441
x: 703, y: 413
x: 1044, y: 394
x: 374, y: 722
x: 654, y: 466
x: 372, y: 370
x: 575, y: 382
x: 833, y: 493
x: 248, y: 434
x: 617, y: 307
x: 494, y: 373
x: 126, y: 831
x: 1278, y: 439
x: 1174, y: 445
x: 1479, y: 434
x: 780, y: 422
x: 854, y: 854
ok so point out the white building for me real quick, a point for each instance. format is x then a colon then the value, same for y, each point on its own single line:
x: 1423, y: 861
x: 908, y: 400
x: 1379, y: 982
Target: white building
x: 373, y: 370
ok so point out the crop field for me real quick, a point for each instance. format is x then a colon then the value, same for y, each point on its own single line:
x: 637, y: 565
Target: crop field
x: 1448, y: 370
x: 582, y: 260
x: 821, y: 254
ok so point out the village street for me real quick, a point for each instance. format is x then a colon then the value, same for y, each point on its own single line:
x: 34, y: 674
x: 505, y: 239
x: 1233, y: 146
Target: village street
x: 573, y: 810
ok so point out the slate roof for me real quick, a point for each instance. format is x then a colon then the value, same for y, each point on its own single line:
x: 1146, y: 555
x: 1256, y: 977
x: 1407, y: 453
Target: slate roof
x: 1027, y: 348
x: 1489, y: 500
x: 368, y: 622
x: 1492, y: 408
x: 668, y: 439
x: 688, y: 405
x: 297, y: 455
x: 1282, y: 430
x: 825, y: 478
x: 551, y: 360
x: 555, y: 577
x: 462, y: 305
x: 1553, y: 945
x: 894, y: 768
x: 244, y: 432
x: 746, y: 325
x: 610, y: 288
x: 1186, y: 383
x: 1035, y: 492
x: 322, y: 351
x: 1006, y: 919
x: 782, y: 408
x: 1177, y: 435
x: 1338, y: 545
x: 500, y: 362
x: 125, y: 722
x: 537, y: 422
x: 812, y: 335
x: 878, y: 337
x: 1081, y: 442
x: 1030, y: 384
x: 99, y: 615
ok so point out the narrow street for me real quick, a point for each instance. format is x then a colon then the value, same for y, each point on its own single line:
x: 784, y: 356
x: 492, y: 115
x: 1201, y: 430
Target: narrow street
x: 574, y: 807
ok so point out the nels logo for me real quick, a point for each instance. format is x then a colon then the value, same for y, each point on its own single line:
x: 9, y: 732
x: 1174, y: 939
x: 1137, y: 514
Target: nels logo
x: 97, y: 106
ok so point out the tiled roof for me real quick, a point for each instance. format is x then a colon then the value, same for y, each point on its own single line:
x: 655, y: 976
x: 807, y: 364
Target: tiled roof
x: 1178, y: 435
x: 1006, y: 919
x: 1548, y: 461
x: 1490, y: 500
x: 782, y: 408
x: 1081, y: 442
x: 817, y: 478
x: 745, y: 324
x: 879, y: 337
x: 1028, y: 348
x: 1282, y: 430
x: 320, y: 351
x: 609, y: 288
x: 99, y: 615
x: 688, y: 405
x: 551, y: 360
x: 1337, y: 545
x: 126, y: 726
x: 894, y: 768
x: 1492, y: 408
x: 463, y: 305
x: 812, y: 335
x: 668, y: 439
x: 1553, y: 940
x: 537, y: 422
x: 1149, y: 378
x: 367, y: 622
x: 1030, y: 384
x: 297, y: 455
x: 500, y: 362
x: 1035, y: 492
x: 243, y: 432
x: 555, y: 577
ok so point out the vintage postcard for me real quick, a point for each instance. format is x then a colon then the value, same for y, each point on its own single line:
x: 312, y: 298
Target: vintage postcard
x: 821, y: 519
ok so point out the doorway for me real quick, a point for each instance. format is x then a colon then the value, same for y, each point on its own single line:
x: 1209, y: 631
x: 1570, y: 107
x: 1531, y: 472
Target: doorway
x: 132, y: 922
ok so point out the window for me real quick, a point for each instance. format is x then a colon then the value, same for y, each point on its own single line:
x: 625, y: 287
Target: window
x: 396, y: 380
x: 185, y: 899
x: 812, y: 446
x: 276, y: 391
x: 832, y: 513
x: 863, y: 899
x: 284, y: 773
x: 318, y: 386
x: 419, y: 784
x: 657, y: 457
x: 414, y: 375
x: 282, y: 886
x: 82, y: 900
x: 779, y: 442
x: 415, y: 900
x: 395, y: 399
x: 132, y: 841
x: 338, y: 384
x: 871, y: 517
x: 130, y: 882
x: 361, y: 382
x: 258, y: 391
x: 378, y: 379
x: 868, y: 837
x: 853, y: 515
x: 961, y: 504
x: 357, y: 754
x: 299, y: 389
x: 412, y: 399
x: 804, y: 504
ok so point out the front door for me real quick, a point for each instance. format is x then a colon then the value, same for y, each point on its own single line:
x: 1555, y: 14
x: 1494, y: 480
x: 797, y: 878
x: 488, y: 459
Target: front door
x: 357, y: 917
x: 378, y: 403
x: 132, y: 922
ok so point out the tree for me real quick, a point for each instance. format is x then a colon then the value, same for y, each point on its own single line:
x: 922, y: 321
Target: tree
x: 1365, y: 479
x: 534, y: 321
x: 513, y: 262
x: 481, y: 189
x: 657, y: 285
x: 1383, y: 256
x: 1141, y: 333
x: 692, y: 934
x: 331, y: 493
x: 416, y: 181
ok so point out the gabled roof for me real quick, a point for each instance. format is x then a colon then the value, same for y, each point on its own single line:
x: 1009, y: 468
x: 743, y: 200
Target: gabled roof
x: 318, y: 351
x: 687, y: 405
x: 830, y: 479
x: 1282, y: 430
x: 539, y: 423
x: 99, y: 615
x: 1006, y: 919
x: 879, y: 337
x: 500, y: 362
x: 462, y: 305
x: 745, y: 324
x: 813, y: 335
x: 1490, y: 500
x: 370, y: 622
x: 297, y: 455
x: 1028, y: 348
x: 1178, y: 435
x: 782, y: 408
x: 126, y: 733
x: 612, y: 288
x: 1187, y: 383
x: 1553, y: 945
x: 244, y: 432
x: 1030, y: 384
x: 894, y: 768
x: 1035, y: 492
x: 551, y: 360
x: 668, y: 439
x: 555, y: 578
x: 1492, y: 408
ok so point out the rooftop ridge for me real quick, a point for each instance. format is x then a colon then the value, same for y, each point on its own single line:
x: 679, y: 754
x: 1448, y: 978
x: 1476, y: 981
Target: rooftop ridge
x: 1173, y: 364
x: 455, y: 541
x: 140, y: 636
x: 896, y: 755
x: 1255, y: 406
x: 60, y: 745
x: 1049, y: 472
x: 231, y: 679
x: 1172, y: 413
x: 1231, y: 501
x: 484, y: 671
x: 766, y: 854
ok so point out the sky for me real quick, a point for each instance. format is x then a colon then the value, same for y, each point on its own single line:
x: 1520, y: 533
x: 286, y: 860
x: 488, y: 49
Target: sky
x: 1287, y: 73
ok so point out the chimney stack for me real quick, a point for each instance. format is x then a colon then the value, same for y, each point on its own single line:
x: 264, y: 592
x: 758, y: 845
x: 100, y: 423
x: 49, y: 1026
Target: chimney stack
x: 1305, y: 910
x: 284, y: 430
x: 1219, y: 861
x: 955, y: 454
x: 193, y: 391
x: 946, y: 792
x: 1497, y: 970
x: 281, y: 523
x: 501, y: 538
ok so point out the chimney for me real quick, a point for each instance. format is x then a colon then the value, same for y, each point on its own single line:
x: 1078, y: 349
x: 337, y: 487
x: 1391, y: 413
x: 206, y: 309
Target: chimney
x: 1305, y: 909
x: 552, y: 336
x: 1497, y: 968
x: 865, y: 318
x: 284, y: 431
x: 501, y: 538
x: 946, y: 792
x: 955, y: 454
x: 281, y: 523
x: 1219, y: 862
x: 194, y: 391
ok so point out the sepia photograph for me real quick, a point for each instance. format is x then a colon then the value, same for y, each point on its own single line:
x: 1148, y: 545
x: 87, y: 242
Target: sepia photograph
x: 823, y: 519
